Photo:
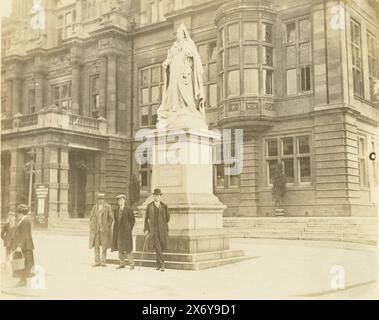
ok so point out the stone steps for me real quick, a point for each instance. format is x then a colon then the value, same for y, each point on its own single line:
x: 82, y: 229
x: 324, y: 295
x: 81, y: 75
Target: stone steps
x: 179, y: 262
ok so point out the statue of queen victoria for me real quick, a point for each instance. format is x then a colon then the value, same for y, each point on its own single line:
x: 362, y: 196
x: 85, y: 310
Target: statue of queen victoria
x: 183, y: 100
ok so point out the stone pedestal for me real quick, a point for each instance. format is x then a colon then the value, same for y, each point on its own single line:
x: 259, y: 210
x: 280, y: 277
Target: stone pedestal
x: 182, y: 168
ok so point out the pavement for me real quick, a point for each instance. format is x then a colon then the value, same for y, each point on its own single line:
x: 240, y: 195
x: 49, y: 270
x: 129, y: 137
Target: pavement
x: 280, y: 269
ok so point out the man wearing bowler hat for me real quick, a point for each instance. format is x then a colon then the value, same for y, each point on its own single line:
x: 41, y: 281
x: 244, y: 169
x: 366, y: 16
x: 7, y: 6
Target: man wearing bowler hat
x: 122, y: 240
x: 23, y: 245
x: 157, y: 217
x: 100, y: 224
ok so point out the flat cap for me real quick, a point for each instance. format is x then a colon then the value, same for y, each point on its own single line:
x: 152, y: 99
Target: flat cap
x: 121, y: 196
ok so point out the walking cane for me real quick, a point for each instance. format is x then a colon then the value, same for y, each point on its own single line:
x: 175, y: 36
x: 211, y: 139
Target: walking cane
x: 143, y: 251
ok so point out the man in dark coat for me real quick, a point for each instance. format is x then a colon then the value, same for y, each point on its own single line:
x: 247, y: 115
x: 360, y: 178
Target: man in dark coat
x: 7, y: 234
x: 100, y: 224
x: 122, y: 240
x: 23, y: 244
x: 157, y: 217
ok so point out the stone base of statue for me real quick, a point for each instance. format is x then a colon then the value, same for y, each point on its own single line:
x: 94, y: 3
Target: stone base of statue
x: 197, y: 239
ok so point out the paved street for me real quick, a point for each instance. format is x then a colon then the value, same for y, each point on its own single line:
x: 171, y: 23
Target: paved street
x: 279, y: 269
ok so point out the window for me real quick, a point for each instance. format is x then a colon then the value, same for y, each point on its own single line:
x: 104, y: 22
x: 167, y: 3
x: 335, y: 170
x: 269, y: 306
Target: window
x: 94, y: 95
x: 61, y: 96
x: 145, y: 173
x: 294, y: 154
x: 251, y: 81
x: 32, y: 100
x: 233, y: 33
x: 223, y: 175
x: 250, y: 31
x: 267, y: 32
x: 156, y: 10
x: 151, y: 87
x: 234, y: 83
x: 372, y: 63
x: 66, y: 25
x: 267, y: 82
x: 298, y: 57
x: 362, y: 165
x: 208, y: 54
x: 357, y: 58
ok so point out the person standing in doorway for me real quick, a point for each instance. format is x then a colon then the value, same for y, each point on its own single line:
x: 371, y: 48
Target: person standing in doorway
x: 100, y: 235
x: 122, y: 240
x: 157, y: 217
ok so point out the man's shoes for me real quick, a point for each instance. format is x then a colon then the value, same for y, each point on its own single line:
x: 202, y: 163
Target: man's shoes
x: 103, y: 264
x: 157, y: 267
x: 121, y: 266
x: 131, y: 267
x: 96, y: 265
x: 162, y: 269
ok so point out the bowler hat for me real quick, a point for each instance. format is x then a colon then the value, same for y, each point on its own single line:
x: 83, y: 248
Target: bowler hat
x: 22, y: 208
x: 121, y: 196
x: 157, y: 192
x: 100, y: 195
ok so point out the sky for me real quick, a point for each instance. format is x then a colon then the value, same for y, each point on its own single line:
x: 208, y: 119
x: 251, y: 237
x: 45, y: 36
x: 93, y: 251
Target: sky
x: 5, y: 7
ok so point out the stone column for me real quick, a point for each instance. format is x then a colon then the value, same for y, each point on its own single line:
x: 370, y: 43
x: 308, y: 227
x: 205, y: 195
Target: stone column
x: 63, y: 183
x: 16, y: 177
x: 111, y: 93
x: 103, y: 86
x: 39, y: 90
x: 51, y: 167
x: 75, y: 88
x: 16, y: 96
x: 248, y: 178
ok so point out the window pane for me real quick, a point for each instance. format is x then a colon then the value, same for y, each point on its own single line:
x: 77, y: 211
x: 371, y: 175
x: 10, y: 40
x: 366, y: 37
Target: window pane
x: 303, y: 144
x: 305, y: 29
x: 154, y: 114
x: 272, y: 148
x: 96, y: 101
x: 155, y: 74
x: 233, y: 33
x: 251, y: 54
x: 234, y: 56
x: 155, y: 94
x: 212, y: 72
x: 145, y: 77
x: 267, y: 56
x: 291, y: 82
x: 220, y: 177
x: 233, y: 181
x: 290, y: 32
x: 267, y: 32
x: 212, y: 51
x: 271, y: 166
x: 305, y: 53
x: 267, y: 82
x: 305, y: 169
x: 56, y: 93
x: 234, y: 83
x: 95, y: 84
x: 289, y: 170
x: 143, y: 179
x: 251, y: 82
x: 250, y: 31
x: 290, y: 55
x: 203, y: 53
x: 145, y: 116
x: 287, y: 146
x: 145, y: 96
x: 305, y: 78
x: 213, y: 95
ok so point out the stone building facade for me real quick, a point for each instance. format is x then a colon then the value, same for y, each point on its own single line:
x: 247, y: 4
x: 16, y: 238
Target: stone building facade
x: 80, y: 77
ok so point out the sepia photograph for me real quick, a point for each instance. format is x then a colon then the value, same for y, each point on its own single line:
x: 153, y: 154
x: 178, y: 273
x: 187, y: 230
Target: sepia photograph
x: 179, y: 150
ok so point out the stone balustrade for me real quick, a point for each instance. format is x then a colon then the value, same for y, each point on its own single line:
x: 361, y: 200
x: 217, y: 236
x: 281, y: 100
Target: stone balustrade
x: 53, y: 119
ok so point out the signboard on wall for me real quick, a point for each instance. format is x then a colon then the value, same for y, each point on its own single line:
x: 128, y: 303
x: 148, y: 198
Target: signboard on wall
x: 41, y: 209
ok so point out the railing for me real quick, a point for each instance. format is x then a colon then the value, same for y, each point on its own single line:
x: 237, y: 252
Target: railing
x: 54, y: 119
x: 83, y: 122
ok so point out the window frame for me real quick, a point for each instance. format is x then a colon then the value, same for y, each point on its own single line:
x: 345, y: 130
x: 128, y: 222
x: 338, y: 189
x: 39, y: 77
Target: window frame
x: 62, y: 99
x: 297, y: 42
x: 358, y: 83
